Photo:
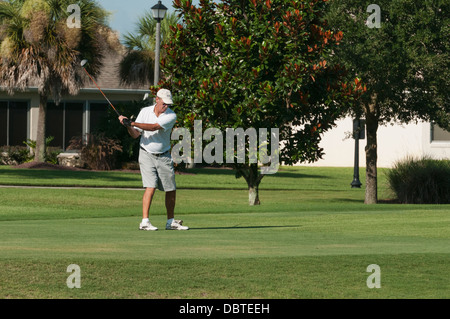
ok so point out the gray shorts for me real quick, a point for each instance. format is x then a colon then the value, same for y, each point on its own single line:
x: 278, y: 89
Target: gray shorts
x: 157, y: 171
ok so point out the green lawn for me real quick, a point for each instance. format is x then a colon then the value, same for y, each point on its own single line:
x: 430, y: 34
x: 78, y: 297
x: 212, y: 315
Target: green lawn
x: 312, y: 237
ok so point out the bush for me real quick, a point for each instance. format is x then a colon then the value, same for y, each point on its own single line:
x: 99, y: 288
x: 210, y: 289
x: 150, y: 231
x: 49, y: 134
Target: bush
x: 99, y: 153
x: 111, y: 127
x: 15, y: 155
x: 51, y: 153
x: 421, y: 181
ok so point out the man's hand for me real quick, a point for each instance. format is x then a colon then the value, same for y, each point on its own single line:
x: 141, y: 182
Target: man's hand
x: 125, y: 121
x: 128, y: 123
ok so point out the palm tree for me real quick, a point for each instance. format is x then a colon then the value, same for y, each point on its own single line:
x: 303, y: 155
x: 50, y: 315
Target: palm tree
x: 37, y: 48
x: 137, y: 66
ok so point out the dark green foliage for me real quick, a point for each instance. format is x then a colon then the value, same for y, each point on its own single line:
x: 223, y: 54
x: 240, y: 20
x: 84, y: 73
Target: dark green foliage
x: 258, y: 64
x: 51, y: 153
x: 111, y: 127
x: 404, y: 64
x: 14, y: 155
x: 421, y: 181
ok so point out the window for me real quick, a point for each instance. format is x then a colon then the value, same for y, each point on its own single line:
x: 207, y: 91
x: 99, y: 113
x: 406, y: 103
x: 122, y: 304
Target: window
x: 438, y: 134
x: 3, y: 123
x: 73, y: 121
x: 97, y: 112
x: 13, y: 123
x: 63, y: 122
x: 100, y: 114
x: 54, y: 124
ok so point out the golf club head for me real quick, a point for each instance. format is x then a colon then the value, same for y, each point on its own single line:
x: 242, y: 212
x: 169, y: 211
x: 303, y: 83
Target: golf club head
x: 84, y: 62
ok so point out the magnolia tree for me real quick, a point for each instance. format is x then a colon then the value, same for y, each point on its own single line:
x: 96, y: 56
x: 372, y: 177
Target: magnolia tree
x: 261, y: 67
x: 400, y: 50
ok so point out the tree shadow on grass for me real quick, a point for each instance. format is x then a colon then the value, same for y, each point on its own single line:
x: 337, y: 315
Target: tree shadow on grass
x: 46, y: 171
x: 231, y: 172
x: 243, y: 227
x: 361, y: 201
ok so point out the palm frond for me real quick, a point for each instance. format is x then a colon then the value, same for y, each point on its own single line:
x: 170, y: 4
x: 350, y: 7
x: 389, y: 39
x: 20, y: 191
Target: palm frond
x: 43, y: 51
x: 137, y: 67
x: 138, y: 64
x: 138, y: 42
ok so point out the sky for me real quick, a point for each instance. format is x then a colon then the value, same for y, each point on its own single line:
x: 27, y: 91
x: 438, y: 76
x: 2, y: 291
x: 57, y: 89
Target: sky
x: 125, y: 13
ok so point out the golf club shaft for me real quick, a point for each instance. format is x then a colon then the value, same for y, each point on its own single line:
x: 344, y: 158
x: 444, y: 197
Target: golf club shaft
x: 101, y: 91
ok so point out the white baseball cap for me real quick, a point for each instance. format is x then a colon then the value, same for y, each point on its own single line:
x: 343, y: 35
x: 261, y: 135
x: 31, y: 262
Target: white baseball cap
x: 165, y: 95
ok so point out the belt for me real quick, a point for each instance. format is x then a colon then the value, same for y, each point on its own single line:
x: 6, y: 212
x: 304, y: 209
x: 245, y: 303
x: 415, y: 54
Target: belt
x: 155, y: 154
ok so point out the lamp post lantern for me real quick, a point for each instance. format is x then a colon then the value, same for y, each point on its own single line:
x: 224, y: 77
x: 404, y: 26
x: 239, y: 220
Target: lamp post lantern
x: 159, y: 12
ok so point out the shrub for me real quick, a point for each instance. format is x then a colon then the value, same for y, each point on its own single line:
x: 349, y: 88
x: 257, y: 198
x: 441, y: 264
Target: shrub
x: 421, y: 181
x: 111, y: 127
x: 51, y: 153
x: 15, y: 155
x: 99, y: 153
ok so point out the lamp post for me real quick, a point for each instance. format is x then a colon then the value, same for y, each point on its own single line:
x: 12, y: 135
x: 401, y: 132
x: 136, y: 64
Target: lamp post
x: 358, y: 133
x: 159, y: 12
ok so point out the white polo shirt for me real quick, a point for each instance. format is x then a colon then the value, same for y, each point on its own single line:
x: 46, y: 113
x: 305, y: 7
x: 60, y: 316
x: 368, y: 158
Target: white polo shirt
x: 157, y: 141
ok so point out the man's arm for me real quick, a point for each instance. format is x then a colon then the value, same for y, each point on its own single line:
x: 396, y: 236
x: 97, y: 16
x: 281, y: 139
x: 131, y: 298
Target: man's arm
x: 131, y: 130
x: 143, y: 126
x: 147, y: 127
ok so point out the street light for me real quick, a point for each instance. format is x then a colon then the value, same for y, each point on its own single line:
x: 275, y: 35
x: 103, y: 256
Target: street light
x: 358, y: 133
x: 159, y: 12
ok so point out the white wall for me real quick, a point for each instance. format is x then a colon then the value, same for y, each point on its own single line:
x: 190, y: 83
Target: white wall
x: 395, y: 142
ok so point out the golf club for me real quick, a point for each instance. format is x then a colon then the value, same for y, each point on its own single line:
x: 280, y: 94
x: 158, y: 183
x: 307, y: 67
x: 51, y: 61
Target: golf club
x: 127, y: 122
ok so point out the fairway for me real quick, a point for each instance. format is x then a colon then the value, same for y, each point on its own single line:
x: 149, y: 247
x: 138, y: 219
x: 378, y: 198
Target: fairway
x: 312, y: 237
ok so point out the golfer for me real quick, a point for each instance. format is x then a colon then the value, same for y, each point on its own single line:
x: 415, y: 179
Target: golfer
x: 154, y: 126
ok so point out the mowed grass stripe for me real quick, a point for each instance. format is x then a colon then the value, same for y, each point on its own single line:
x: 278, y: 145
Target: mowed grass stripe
x: 225, y: 236
x: 411, y: 276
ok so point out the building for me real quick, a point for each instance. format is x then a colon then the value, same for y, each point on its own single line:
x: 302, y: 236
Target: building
x: 74, y: 116
x: 395, y: 142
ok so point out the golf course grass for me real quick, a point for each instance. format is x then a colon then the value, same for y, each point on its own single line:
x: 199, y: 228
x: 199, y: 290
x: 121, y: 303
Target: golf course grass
x: 312, y: 237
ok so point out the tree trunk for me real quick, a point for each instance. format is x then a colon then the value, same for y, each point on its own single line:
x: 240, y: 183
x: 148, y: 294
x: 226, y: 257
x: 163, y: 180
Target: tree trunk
x: 371, y: 159
x: 39, y: 155
x: 253, y: 195
x: 253, y: 178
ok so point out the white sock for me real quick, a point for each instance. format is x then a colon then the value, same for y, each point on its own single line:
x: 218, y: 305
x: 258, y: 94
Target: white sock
x: 169, y: 221
x: 145, y: 220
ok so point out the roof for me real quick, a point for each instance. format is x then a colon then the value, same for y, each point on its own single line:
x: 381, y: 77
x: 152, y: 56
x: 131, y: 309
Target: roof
x: 109, y: 77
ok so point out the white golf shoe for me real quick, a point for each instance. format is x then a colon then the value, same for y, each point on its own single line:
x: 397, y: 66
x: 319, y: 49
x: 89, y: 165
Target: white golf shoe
x: 147, y: 226
x: 176, y: 225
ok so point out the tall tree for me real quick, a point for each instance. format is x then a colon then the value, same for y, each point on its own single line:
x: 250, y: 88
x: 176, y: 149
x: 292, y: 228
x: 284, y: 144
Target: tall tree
x: 137, y: 65
x: 399, y: 49
x: 258, y: 64
x: 40, y: 47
